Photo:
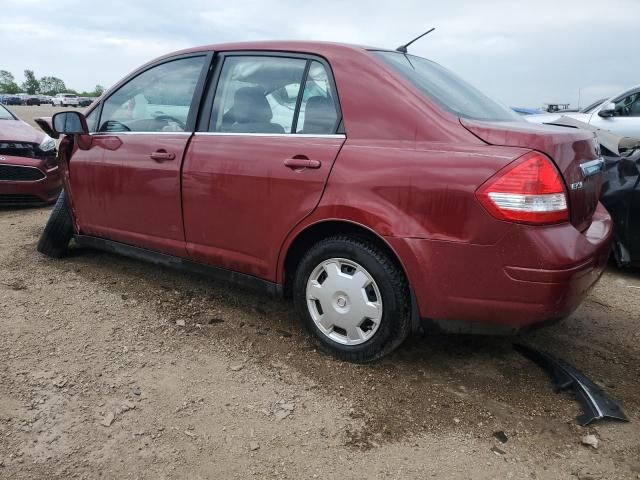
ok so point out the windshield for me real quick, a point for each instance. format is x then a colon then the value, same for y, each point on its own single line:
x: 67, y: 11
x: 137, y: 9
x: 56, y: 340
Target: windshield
x: 592, y: 106
x: 446, y: 89
x: 5, y: 114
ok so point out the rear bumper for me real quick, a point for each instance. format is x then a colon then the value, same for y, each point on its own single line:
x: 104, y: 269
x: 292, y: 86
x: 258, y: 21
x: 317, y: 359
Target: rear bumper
x: 25, y: 193
x: 532, y: 275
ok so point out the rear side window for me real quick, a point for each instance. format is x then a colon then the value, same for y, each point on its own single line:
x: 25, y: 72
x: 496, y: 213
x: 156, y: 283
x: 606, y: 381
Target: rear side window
x: 318, y: 113
x: 157, y: 100
x: 274, y: 95
x: 447, y: 89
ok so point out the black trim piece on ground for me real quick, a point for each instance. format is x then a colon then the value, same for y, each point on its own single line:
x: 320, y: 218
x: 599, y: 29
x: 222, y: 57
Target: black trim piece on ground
x: 595, y: 402
x: 162, y: 259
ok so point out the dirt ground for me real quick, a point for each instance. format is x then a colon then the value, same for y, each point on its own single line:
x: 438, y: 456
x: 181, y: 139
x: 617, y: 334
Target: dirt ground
x: 118, y: 369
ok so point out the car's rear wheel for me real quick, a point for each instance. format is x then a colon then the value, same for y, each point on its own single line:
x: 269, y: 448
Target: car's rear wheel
x: 353, y: 298
x: 57, y: 233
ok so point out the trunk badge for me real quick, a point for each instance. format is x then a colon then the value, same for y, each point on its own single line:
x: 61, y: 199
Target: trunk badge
x: 592, y: 168
x: 577, y: 186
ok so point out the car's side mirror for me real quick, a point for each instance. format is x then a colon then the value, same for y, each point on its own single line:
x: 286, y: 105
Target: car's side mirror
x: 70, y: 123
x: 608, y: 110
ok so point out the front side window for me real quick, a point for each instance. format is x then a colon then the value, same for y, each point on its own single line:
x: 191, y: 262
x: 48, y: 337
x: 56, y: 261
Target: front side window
x: 446, y: 89
x: 157, y: 100
x: 628, y: 106
x: 257, y: 95
x: 92, y: 120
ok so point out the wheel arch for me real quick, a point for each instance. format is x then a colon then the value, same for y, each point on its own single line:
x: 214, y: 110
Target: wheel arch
x: 313, y: 233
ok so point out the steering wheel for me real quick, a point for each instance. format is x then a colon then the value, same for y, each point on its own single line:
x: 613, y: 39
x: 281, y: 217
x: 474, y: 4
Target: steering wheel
x: 169, y: 118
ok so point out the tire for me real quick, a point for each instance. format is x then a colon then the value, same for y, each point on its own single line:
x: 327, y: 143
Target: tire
x: 57, y: 233
x: 365, y: 282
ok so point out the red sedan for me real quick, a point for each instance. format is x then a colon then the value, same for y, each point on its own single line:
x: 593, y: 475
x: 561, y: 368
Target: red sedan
x: 29, y: 173
x: 375, y: 188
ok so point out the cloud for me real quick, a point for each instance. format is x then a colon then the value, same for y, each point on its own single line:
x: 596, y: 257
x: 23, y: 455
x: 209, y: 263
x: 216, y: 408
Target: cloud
x: 522, y: 53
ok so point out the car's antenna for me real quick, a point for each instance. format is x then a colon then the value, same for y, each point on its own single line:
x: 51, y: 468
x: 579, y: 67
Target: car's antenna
x: 403, y: 48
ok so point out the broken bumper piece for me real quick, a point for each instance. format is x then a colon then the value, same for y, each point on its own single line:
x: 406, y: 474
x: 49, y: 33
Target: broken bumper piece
x: 596, y: 404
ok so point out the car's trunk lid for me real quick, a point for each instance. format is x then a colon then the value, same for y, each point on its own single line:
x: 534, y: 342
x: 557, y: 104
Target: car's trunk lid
x: 569, y: 148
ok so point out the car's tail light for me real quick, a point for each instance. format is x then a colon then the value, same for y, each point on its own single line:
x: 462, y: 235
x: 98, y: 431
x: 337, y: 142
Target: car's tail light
x: 529, y: 190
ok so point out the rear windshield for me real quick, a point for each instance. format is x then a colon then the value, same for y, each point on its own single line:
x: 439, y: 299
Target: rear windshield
x: 446, y: 89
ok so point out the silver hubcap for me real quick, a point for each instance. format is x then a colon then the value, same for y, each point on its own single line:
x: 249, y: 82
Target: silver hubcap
x: 344, y: 301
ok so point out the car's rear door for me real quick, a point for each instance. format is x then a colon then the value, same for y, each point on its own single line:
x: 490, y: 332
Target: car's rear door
x: 260, y: 160
x: 126, y: 186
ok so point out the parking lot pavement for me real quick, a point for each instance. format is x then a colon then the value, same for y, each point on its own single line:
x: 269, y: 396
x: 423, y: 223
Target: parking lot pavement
x: 28, y: 113
x: 120, y: 369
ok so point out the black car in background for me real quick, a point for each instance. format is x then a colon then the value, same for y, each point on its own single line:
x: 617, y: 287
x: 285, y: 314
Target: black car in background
x: 10, y: 99
x: 85, y: 101
x: 32, y: 100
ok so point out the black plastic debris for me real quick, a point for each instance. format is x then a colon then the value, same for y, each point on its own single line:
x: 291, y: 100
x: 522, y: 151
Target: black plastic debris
x: 595, y: 402
x: 501, y: 436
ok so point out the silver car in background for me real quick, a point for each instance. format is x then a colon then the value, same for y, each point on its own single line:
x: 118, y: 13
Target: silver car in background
x: 619, y: 114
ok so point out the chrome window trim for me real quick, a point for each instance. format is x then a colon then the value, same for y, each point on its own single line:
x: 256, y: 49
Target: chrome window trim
x: 228, y: 134
x: 279, y: 135
x: 137, y: 133
x: 25, y: 166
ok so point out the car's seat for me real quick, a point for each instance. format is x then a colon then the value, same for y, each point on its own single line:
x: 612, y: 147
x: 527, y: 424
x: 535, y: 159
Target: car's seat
x: 251, y: 113
x: 319, y: 116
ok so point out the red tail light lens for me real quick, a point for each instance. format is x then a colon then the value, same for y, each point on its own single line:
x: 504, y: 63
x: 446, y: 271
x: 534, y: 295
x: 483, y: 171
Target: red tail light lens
x: 529, y: 190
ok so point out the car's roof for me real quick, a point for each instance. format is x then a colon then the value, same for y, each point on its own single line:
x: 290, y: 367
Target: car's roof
x: 317, y: 47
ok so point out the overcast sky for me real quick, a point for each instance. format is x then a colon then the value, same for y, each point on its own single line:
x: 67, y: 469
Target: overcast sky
x: 521, y: 52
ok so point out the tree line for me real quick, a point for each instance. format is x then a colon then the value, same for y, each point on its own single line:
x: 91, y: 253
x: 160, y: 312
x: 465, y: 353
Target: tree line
x: 44, y: 86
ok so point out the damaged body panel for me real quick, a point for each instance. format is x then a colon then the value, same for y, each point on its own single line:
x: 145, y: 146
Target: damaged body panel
x: 595, y: 402
x: 621, y: 197
x: 620, y: 188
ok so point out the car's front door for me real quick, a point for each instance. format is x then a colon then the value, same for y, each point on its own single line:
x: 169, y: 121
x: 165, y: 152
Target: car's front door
x: 126, y: 186
x: 259, y: 163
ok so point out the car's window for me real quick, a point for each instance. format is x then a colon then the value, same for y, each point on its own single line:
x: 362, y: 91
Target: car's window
x: 592, y: 107
x: 446, y: 89
x: 318, y: 112
x: 628, y: 106
x: 5, y: 114
x: 92, y: 119
x: 257, y: 94
x: 157, y: 100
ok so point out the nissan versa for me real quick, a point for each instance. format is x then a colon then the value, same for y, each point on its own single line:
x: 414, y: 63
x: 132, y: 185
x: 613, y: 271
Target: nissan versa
x: 374, y: 187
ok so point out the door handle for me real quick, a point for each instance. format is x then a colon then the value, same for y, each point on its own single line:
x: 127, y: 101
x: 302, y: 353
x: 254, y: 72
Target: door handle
x: 162, y: 155
x: 301, y: 161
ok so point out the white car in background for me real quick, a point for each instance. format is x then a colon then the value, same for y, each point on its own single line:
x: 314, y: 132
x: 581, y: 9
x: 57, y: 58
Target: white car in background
x: 619, y: 114
x: 65, y: 100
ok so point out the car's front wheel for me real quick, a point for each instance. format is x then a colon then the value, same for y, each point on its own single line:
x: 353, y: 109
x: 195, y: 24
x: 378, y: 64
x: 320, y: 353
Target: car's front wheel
x: 353, y: 298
